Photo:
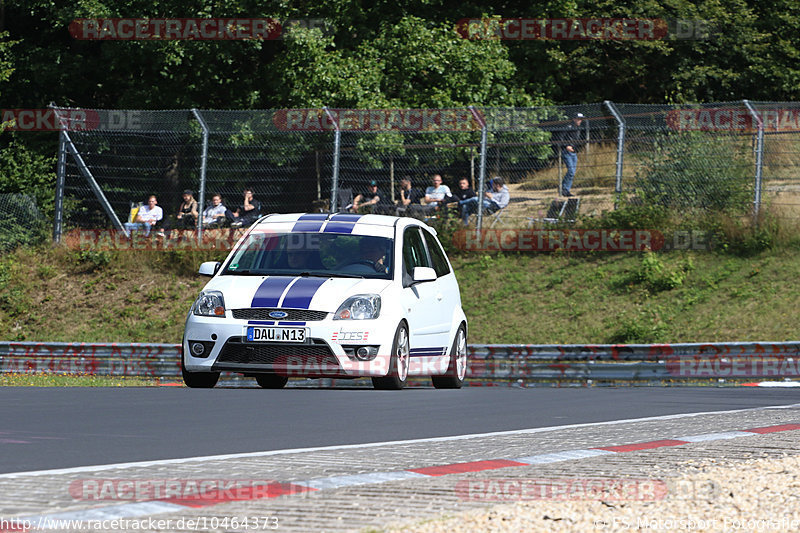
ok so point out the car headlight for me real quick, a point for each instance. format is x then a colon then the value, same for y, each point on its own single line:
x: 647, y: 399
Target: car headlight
x: 209, y: 303
x: 359, y: 307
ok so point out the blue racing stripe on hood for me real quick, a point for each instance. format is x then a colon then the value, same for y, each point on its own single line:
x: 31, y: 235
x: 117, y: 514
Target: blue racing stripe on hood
x: 301, y: 293
x: 310, y: 222
x: 269, y: 292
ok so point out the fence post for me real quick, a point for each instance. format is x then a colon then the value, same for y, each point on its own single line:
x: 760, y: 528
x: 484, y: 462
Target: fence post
x: 482, y: 167
x: 621, y: 126
x: 337, y: 139
x: 203, y: 166
x: 759, y: 158
x: 84, y: 169
x: 61, y: 179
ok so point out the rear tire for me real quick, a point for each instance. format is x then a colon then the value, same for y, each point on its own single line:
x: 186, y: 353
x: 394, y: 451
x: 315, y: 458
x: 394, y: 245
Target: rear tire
x: 398, y: 365
x: 457, y: 369
x: 271, y: 381
x: 198, y: 380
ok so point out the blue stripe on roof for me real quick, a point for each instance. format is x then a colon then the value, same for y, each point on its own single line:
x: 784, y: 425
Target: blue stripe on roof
x: 339, y: 227
x: 301, y: 293
x: 269, y: 292
x: 346, y: 217
x: 310, y: 222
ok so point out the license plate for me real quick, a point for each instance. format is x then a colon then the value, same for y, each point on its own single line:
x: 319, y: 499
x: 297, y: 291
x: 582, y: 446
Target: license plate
x: 258, y: 334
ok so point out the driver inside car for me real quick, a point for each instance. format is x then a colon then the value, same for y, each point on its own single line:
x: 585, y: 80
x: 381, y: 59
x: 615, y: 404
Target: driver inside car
x: 373, y: 251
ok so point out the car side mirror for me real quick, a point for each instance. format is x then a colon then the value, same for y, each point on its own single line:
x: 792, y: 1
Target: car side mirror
x: 209, y: 268
x: 422, y: 274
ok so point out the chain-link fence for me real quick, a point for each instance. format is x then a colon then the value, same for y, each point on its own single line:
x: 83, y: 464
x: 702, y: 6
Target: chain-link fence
x: 20, y: 221
x: 741, y: 157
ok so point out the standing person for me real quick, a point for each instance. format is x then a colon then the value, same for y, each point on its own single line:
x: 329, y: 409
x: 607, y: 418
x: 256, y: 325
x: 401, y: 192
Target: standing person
x: 464, y: 192
x: 187, y: 212
x: 147, y: 217
x: 493, y: 201
x: 409, y: 196
x: 214, y: 215
x: 570, y: 140
x: 247, y: 212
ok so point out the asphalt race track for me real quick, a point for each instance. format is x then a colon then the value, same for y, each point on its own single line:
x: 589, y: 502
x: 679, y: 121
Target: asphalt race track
x: 49, y: 428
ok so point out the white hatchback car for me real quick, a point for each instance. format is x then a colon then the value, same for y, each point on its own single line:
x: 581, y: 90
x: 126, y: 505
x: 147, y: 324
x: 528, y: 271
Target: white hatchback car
x: 329, y: 295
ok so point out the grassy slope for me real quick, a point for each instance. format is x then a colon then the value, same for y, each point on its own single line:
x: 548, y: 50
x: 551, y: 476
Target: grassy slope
x: 57, y: 295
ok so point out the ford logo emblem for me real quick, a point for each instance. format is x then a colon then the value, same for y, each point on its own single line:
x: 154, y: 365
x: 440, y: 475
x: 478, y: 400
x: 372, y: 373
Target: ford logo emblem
x: 278, y: 314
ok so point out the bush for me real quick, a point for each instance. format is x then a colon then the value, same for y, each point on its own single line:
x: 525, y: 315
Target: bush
x: 21, y: 223
x: 697, y: 170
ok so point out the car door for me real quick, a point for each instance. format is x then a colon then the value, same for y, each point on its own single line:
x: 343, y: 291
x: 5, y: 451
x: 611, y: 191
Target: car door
x: 448, y: 297
x: 422, y: 302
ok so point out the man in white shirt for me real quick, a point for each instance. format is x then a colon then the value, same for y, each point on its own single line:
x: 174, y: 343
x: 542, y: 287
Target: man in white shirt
x: 147, y: 217
x: 437, y: 192
x: 214, y: 215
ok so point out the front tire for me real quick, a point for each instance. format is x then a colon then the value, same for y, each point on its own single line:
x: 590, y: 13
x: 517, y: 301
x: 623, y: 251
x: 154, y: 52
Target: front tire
x: 398, y: 365
x: 198, y: 380
x: 457, y: 369
x: 271, y: 381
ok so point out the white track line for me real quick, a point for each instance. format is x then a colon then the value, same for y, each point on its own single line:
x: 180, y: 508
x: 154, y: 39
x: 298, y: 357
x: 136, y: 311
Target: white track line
x: 160, y: 462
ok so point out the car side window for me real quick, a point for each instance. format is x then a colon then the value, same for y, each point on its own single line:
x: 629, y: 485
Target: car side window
x: 414, y: 254
x: 437, y: 255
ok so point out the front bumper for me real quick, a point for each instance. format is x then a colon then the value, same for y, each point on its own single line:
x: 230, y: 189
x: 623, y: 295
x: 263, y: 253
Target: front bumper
x: 324, y: 353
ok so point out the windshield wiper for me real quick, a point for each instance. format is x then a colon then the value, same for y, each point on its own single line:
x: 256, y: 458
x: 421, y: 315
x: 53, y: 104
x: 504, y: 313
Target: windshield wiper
x: 243, y: 272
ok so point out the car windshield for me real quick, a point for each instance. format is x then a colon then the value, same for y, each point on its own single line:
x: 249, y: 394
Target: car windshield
x: 312, y: 254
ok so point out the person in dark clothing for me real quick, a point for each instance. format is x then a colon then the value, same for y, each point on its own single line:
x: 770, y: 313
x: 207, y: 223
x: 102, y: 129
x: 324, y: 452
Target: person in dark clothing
x: 569, y: 140
x: 372, y: 201
x: 464, y: 192
x: 247, y: 212
x: 409, y: 197
x: 187, y: 212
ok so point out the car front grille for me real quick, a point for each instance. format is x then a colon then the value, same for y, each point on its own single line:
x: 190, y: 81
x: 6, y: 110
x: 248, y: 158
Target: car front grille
x: 313, y: 359
x: 258, y: 313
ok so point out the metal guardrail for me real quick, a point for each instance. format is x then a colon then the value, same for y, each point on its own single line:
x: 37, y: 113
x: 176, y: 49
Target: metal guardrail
x: 490, y: 364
